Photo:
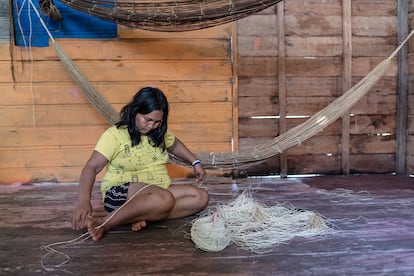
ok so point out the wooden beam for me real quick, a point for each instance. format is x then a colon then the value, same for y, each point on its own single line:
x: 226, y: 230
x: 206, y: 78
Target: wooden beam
x: 402, y: 101
x: 282, y: 81
x: 235, y: 89
x: 346, y: 79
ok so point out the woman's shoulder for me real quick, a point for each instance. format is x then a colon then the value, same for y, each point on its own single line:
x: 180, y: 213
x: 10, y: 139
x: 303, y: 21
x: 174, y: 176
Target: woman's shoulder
x: 114, y: 131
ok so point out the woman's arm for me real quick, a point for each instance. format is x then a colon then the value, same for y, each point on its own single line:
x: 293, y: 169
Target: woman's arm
x: 86, y: 181
x: 180, y: 150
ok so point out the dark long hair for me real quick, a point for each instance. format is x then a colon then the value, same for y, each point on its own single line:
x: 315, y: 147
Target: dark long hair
x: 145, y: 101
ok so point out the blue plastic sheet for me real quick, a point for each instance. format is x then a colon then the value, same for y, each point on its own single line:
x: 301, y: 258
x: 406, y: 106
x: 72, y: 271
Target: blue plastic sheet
x: 30, y: 32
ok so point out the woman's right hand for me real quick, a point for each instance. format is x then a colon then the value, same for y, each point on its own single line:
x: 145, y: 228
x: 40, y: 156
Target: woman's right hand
x: 87, y: 178
x: 80, y: 214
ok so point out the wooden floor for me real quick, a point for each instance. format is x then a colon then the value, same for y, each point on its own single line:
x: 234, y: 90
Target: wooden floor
x: 372, y: 217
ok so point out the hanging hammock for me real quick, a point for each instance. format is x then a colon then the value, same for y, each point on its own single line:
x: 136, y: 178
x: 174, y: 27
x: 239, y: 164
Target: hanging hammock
x: 179, y: 16
x: 163, y: 16
x: 258, y: 154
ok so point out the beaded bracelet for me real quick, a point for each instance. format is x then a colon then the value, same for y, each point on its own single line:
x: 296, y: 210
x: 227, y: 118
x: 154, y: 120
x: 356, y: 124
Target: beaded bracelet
x: 196, y: 162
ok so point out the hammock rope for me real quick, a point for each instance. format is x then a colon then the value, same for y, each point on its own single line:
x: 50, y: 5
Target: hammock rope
x: 296, y: 135
x: 165, y: 16
x: 250, y: 155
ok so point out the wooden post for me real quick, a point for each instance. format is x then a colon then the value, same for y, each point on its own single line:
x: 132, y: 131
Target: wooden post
x: 346, y: 78
x: 282, y: 81
x: 402, y: 100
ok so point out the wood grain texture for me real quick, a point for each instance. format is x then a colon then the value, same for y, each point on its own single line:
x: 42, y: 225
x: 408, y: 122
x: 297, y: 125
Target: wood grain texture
x: 371, y: 218
x: 43, y: 112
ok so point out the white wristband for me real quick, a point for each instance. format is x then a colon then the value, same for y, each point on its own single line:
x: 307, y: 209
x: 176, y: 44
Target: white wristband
x: 196, y: 162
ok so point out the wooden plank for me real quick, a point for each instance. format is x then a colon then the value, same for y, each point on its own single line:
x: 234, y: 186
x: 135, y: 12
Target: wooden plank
x: 16, y: 137
x: 313, y: 46
x: 258, y: 127
x: 4, y: 22
x: 370, y: 104
x: 313, y: 86
x: 222, y: 31
x: 314, y: 7
x: 373, y: 163
x: 402, y: 102
x: 255, y: 86
x: 381, y: 125
x: 258, y: 106
x: 313, y: 25
x: 361, y: 66
x: 373, y: 231
x: 122, y: 71
x: 374, y: 8
x: 373, y: 46
x: 314, y: 164
x: 132, y: 49
x: 282, y: 93
x: 72, y: 156
x: 235, y: 95
x: 323, y: 164
x: 410, y: 151
x: 372, y: 124
x: 318, y: 144
x: 15, y: 176
x: 52, y: 115
x: 67, y: 156
x: 410, y: 124
x: 375, y: 104
x: 295, y: 66
x: 5, y: 52
x: 247, y: 27
x: 372, y: 144
x: 257, y: 46
x: 302, y: 106
x: 256, y: 67
x: 315, y: 145
x: 330, y: 144
x: 346, y: 81
x: 385, y: 26
x: 50, y: 93
x: 313, y: 67
x: 331, y: 86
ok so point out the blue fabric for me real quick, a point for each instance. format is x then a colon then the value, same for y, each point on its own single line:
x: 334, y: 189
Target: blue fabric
x: 30, y: 32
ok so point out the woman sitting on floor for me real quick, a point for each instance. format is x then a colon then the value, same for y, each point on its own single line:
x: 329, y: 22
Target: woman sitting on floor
x: 135, y: 153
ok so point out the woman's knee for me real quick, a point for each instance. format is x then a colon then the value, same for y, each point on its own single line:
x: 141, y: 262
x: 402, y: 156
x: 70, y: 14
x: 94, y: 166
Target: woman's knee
x: 163, y: 200
x: 202, y: 198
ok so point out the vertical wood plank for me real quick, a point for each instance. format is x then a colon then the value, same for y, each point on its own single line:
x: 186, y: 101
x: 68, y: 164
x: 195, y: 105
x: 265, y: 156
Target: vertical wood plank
x: 282, y: 80
x: 346, y: 79
x: 4, y: 21
x: 235, y: 89
x: 402, y: 97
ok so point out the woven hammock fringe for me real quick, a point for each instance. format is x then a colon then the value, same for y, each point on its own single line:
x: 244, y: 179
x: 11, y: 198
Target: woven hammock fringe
x: 94, y: 97
x: 165, y: 16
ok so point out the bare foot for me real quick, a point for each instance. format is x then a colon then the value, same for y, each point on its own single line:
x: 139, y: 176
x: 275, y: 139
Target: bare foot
x: 136, y: 226
x: 94, y: 230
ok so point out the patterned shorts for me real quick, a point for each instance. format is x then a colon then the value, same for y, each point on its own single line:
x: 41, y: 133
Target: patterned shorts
x: 115, y: 197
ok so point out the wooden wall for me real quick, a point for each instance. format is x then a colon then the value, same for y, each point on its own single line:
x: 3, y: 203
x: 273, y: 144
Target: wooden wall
x: 230, y: 87
x: 410, y: 130
x: 4, y: 21
x: 303, y: 45
x: 48, y: 129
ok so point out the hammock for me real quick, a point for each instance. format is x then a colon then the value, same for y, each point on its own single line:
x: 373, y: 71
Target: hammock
x: 258, y: 154
x: 185, y: 20
x: 163, y: 16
